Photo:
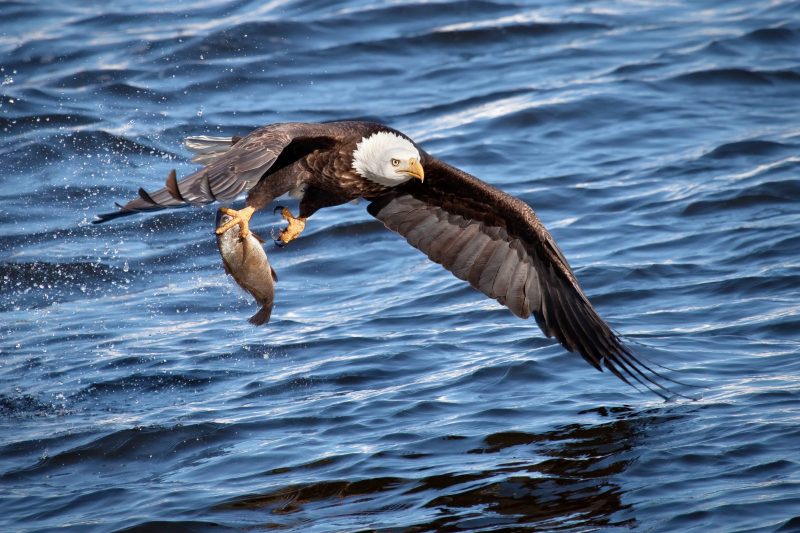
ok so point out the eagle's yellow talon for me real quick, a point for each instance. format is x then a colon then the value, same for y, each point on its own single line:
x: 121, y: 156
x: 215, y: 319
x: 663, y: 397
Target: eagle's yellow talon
x: 240, y: 218
x: 294, y: 229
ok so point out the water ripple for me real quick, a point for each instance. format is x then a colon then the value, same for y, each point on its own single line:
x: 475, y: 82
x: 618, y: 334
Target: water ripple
x: 658, y: 142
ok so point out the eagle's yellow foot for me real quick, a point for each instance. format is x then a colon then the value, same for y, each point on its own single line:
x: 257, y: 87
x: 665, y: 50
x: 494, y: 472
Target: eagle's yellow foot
x: 293, y: 230
x: 240, y: 218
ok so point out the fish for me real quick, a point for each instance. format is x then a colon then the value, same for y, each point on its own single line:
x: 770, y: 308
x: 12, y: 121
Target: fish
x: 246, y: 261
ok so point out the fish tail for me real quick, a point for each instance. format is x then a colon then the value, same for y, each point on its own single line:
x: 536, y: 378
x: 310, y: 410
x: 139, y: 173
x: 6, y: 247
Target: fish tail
x: 262, y: 317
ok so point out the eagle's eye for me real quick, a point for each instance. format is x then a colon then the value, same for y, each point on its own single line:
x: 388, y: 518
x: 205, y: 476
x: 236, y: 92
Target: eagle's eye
x: 395, y: 162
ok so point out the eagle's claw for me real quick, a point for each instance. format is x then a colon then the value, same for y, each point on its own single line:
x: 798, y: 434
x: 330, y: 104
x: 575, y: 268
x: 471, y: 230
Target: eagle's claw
x: 239, y: 218
x: 293, y: 230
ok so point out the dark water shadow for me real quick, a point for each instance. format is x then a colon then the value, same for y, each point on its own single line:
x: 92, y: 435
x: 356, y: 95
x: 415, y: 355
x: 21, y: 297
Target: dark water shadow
x: 556, y: 480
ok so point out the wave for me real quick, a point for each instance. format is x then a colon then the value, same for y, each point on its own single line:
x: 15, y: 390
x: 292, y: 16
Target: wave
x: 27, y: 406
x: 22, y: 124
x: 755, y: 147
x: 738, y: 76
x: 29, y: 156
x: 36, y: 284
x: 140, y: 383
x: 782, y: 192
x: 559, y: 478
x: 188, y: 526
x: 132, y: 444
x: 776, y: 35
x: 95, y: 77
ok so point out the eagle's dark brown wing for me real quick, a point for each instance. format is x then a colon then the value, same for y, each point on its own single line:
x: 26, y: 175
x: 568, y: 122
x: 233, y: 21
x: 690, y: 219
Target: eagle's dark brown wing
x: 496, y: 243
x: 230, y: 169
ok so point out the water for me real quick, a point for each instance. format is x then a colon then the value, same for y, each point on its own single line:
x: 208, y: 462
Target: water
x: 658, y: 141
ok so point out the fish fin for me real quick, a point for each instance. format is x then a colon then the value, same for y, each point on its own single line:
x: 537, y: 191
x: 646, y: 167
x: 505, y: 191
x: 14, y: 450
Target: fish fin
x: 262, y: 317
x: 274, y: 274
x: 258, y: 238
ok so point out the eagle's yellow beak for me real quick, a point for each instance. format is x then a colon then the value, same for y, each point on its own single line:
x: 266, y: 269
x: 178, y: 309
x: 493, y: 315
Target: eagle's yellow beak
x: 414, y: 169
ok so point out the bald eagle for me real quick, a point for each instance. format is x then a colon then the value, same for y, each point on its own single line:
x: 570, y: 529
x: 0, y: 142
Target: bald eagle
x: 482, y: 235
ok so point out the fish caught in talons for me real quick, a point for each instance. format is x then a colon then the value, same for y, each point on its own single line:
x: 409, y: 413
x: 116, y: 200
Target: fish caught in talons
x: 246, y: 261
x: 239, y: 218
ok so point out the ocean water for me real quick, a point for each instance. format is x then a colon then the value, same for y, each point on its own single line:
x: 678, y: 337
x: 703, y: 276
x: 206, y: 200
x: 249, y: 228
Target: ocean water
x: 658, y: 141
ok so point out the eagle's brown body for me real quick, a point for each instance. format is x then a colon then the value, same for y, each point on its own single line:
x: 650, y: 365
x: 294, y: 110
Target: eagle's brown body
x: 478, y: 232
x: 326, y: 172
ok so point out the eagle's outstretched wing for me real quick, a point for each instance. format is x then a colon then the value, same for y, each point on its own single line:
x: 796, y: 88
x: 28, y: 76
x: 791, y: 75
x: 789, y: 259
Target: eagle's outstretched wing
x: 496, y: 243
x: 233, y: 165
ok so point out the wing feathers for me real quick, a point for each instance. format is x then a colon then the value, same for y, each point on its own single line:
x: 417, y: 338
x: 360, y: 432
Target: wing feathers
x: 515, y: 293
x: 496, y: 243
x: 412, y: 219
x: 172, y: 187
x: 452, y: 251
x: 489, y: 274
x: 433, y: 235
x: 441, y: 243
x: 421, y: 229
x: 505, y: 273
x: 144, y: 196
x: 207, y: 149
x: 533, y: 295
x: 233, y: 165
x: 481, y: 254
x: 467, y: 261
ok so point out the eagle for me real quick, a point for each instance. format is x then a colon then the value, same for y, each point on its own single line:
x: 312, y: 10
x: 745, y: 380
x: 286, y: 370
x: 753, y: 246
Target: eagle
x: 484, y: 236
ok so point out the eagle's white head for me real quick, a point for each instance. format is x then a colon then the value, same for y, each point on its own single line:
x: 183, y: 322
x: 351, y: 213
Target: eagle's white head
x: 387, y: 159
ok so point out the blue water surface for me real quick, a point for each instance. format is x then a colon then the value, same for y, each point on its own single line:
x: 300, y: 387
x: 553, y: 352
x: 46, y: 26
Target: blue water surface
x: 659, y: 142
